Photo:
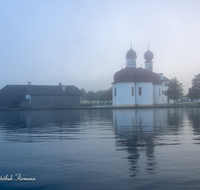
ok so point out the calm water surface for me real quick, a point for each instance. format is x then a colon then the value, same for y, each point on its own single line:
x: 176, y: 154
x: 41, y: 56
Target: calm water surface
x: 101, y: 149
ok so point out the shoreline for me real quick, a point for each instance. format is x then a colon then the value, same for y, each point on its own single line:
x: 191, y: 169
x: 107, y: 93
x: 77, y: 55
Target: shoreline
x: 105, y: 107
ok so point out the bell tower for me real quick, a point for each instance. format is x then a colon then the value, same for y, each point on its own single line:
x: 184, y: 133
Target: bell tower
x: 148, y: 57
x: 131, y: 58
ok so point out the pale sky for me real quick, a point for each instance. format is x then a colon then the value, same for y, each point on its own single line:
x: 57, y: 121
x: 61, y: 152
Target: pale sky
x: 84, y: 42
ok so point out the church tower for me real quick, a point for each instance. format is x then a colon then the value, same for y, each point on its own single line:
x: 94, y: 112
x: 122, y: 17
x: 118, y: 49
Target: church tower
x: 131, y: 58
x: 148, y: 57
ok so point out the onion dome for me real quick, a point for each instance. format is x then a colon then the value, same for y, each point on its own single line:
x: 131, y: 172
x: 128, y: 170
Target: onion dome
x: 131, y: 54
x: 148, y: 56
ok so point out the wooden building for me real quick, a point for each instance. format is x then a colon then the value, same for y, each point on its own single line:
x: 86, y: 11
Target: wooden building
x: 39, y: 96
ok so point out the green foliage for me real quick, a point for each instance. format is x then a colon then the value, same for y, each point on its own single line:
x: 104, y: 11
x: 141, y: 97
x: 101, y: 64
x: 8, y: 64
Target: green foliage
x: 101, y: 95
x: 90, y: 96
x: 104, y: 95
x: 175, y: 90
x: 194, y: 91
x: 83, y: 91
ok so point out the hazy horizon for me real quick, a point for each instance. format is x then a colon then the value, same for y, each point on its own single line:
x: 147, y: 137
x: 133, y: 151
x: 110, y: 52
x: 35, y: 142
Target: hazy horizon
x: 84, y: 42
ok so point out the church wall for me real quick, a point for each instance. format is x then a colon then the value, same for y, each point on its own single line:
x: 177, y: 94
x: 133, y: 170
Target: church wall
x: 158, y: 94
x: 149, y: 66
x: 146, y: 98
x: 165, y: 88
x: 124, y: 95
x: 113, y: 94
x: 160, y: 97
x: 151, y: 94
x: 131, y: 62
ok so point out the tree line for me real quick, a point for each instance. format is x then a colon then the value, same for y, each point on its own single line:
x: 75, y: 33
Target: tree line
x: 175, y: 90
x: 100, y: 95
x: 194, y: 91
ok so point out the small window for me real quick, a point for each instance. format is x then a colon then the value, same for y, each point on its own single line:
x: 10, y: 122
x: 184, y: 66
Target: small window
x: 159, y: 92
x: 163, y: 92
x: 115, y: 92
x: 132, y: 89
x: 140, y: 91
x: 166, y: 84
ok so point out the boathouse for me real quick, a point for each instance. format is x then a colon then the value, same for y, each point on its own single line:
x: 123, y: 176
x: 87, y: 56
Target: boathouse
x: 39, y: 96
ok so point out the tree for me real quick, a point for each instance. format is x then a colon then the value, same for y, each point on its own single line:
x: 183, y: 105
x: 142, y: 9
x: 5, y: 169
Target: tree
x: 194, y: 91
x: 108, y: 94
x: 175, y: 90
x: 83, y: 91
x: 90, y: 96
x: 99, y: 95
x: 104, y: 95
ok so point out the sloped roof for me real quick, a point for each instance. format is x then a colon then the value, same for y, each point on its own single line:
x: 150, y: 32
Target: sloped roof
x: 52, y: 90
x: 17, y: 93
x: 13, y: 93
x: 132, y: 74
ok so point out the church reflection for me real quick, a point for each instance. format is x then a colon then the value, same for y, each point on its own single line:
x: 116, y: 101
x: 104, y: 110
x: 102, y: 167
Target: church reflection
x: 136, y: 131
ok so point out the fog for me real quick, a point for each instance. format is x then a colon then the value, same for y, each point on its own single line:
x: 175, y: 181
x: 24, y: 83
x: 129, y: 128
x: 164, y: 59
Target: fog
x: 84, y: 42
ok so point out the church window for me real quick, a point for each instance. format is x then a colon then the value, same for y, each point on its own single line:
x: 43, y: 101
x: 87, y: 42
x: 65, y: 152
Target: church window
x: 132, y: 91
x: 140, y: 91
x: 115, y: 92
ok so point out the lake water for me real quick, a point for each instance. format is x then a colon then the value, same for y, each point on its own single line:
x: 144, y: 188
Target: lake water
x: 119, y: 149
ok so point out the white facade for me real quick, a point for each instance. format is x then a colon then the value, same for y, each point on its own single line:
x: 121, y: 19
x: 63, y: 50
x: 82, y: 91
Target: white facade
x: 131, y: 62
x: 144, y: 93
x: 137, y: 86
x: 129, y: 94
x: 149, y: 66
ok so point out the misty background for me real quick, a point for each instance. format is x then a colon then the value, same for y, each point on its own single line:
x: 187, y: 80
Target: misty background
x: 84, y: 42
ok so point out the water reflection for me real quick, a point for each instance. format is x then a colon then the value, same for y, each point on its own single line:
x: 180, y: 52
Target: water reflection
x: 194, y: 118
x: 41, y: 125
x: 138, y: 131
x: 50, y: 125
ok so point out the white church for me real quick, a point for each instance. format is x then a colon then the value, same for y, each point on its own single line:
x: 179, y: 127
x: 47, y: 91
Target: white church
x: 138, y: 86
